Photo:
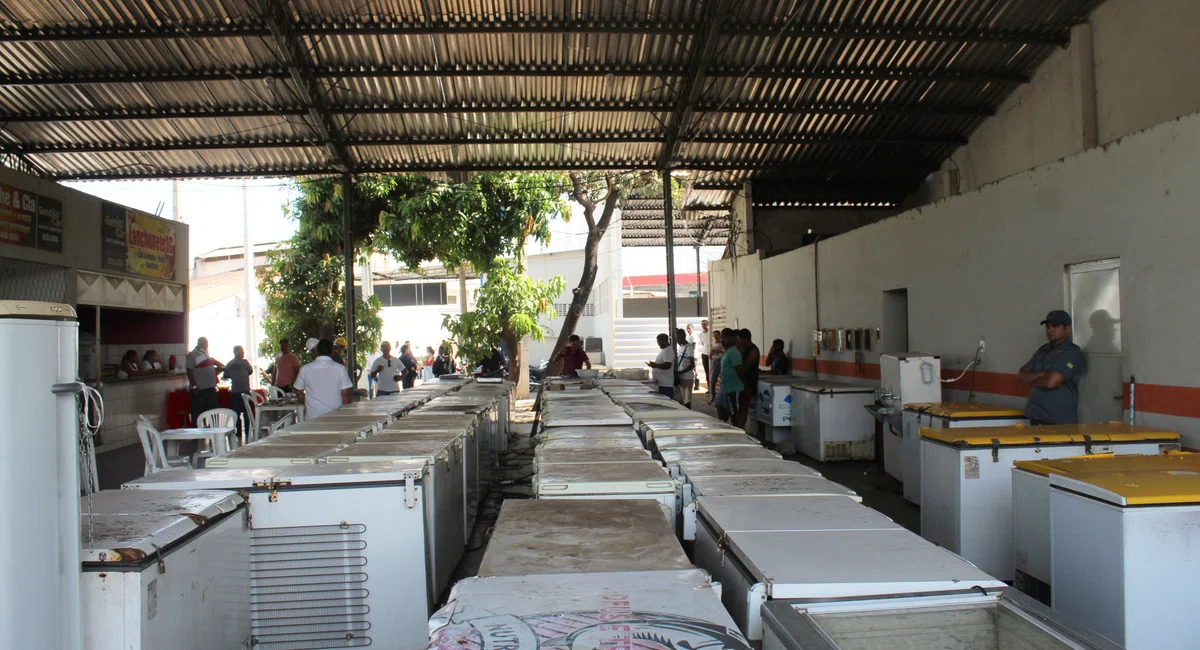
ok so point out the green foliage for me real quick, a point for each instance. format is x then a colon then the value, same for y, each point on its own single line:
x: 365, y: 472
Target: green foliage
x: 508, y: 303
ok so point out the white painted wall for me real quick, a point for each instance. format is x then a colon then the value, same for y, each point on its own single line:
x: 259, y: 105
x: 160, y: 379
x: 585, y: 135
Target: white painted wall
x: 990, y: 264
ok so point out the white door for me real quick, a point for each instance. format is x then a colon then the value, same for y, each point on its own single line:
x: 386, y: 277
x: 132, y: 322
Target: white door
x: 1094, y: 300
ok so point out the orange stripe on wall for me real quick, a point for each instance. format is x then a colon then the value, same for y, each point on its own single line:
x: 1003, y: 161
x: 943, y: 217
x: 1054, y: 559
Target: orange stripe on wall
x: 1179, y: 401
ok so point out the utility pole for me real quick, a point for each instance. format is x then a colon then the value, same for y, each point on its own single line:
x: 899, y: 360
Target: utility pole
x: 699, y: 284
x: 175, y: 200
x: 669, y: 226
x: 247, y: 273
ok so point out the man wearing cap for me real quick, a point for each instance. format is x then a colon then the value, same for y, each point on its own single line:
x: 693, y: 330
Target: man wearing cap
x: 323, y: 384
x: 1054, y: 373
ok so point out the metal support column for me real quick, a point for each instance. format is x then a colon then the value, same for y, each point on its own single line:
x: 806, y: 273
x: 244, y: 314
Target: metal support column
x: 669, y: 226
x: 699, y: 284
x: 348, y: 255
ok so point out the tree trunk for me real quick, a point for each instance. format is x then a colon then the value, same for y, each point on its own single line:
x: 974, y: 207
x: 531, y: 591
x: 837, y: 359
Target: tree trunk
x: 591, y: 251
x: 515, y: 361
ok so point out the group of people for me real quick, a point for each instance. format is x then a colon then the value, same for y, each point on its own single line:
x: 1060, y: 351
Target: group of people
x: 150, y: 364
x: 203, y: 373
x: 674, y: 371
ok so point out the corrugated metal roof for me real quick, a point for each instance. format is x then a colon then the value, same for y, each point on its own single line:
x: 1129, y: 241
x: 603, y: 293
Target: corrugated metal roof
x: 856, y: 100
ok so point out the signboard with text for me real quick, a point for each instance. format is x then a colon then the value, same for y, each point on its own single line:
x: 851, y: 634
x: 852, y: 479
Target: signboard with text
x: 28, y: 219
x: 136, y: 242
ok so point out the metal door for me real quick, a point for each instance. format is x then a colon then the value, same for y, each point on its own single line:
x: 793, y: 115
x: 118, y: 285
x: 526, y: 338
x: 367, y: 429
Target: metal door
x: 1094, y: 300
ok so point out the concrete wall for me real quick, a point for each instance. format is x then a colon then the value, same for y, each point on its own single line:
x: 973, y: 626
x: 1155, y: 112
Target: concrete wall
x: 990, y: 264
x: 783, y: 229
x: 657, y: 307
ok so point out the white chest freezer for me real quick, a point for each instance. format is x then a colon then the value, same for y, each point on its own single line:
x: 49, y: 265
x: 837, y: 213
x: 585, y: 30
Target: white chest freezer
x: 997, y: 620
x: 944, y: 415
x: 754, y: 567
x: 693, y: 440
x: 339, y: 551
x: 548, y: 536
x: 1031, y: 505
x: 634, y: 480
x: 905, y: 378
x: 586, y: 417
x: 651, y: 610
x: 337, y: 440
x: 327, y: 426
x: 966, y: 478
x: 753, y: 486
x: 350, y: 419
x: 649, y: 430
x: 1125, y: 554
x: 702, y: 468
x: 165, y: 569
x: 476, y: 474
x: 261, y: 454
x: 591, y: 443
x: 490, y: 438
x: 829, y: 422
x: 650, y: 403
x: 573, y: 456
x: 671, y: 458
x: 773, y: 406
x: 589, y: 433
x: 447, y: 481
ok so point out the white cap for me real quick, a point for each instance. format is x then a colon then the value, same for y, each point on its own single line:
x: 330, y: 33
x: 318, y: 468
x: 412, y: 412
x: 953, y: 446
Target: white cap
x: 310, y: 344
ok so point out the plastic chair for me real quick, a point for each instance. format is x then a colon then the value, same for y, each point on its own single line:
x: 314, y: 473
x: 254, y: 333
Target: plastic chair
x: 277, y: 392
x: 281, y: 423
x: 213, y: 418
x: 152, y: 449
x: 252, y: 431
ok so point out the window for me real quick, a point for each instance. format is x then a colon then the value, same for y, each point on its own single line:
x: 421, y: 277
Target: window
x: 411, y: 295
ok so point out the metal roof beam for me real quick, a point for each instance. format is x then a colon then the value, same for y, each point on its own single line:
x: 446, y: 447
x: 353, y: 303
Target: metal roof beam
x: 293, y: 56
x: 85, y: 77
x: 704, y: 49
x: 419, y: 27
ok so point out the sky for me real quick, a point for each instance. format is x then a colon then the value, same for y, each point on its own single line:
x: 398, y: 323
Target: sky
x: 213, y: 210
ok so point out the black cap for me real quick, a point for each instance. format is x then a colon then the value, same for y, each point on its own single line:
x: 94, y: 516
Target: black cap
x: 1057, y: 317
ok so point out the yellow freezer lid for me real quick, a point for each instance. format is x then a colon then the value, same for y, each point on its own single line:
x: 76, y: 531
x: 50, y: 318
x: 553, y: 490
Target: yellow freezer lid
x: 1020, y: 434
x: 1100, y: 463
x: 1137, y: 488
x: 965, y: 410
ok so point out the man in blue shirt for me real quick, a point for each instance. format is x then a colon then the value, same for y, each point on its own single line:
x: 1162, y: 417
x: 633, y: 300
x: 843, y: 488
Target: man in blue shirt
x: 732, y: 379
x: 1054, y: 373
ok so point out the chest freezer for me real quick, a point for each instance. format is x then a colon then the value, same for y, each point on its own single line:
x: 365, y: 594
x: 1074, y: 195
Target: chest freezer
x: 165, y: 569
x: 829, y: 422
x: 905, y: 378
x: 606, y: 417
x: 272, y: 455
x: 476, y: 473
x: 650, y: 403
x: 488, y: 438
x: 755, y: 567
x: 753, y: 486
x: 997, y: 620
x: 337, y: 440
x: 671, y: 458
x: 337, y: 417
x: 589, y: 433
x: 559, y: 536
x: 574, y: 456
x: 704, y: 439
x: 591, y: 443
x: 633, y: 480
x: 650, y: 429
x: 1031, y: 503
x: 773, y: 404
x: 966, y: 478
x: 1125, y: 554
x: 651, y: 609
x: 737, y: 468
x: 339, y: 551
x: 329, y: 426
x: 944, y: 415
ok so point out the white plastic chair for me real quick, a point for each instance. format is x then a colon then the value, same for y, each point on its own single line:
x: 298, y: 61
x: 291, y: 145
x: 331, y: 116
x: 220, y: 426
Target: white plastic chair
x: 281, y: 423
x: 277, y: 393
x: 253, y: 430
x: 152, y: 449
x: 213, y: 418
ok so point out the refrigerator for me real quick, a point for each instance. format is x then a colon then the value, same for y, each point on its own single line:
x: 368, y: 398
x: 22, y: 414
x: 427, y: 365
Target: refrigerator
x: 905, y: 379
x: 1124, y: 554
x: 671, y: 458
x: 647, y: 609
x: 944, y: 415
x: 966, y: 477
x: 167, y: 569
x: 39, y: 462
x: 773, y: 407
x: 560, y: 536
x: 1031, y: 505
x: 632, y: 480
x: 754, y: 486
x: 829, y: 422
x: 341, y: 553
x: 1000, y: 619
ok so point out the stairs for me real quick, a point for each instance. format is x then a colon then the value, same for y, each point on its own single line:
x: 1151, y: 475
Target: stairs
x: 634, y: 342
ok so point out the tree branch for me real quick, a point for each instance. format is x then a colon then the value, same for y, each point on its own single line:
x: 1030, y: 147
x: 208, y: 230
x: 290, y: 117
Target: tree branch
x: 579, y: 192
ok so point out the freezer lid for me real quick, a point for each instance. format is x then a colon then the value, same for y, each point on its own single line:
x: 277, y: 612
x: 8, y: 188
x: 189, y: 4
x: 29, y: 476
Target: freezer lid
x: 130, y: 539
x: 737, y: 452
x: 663, y: 415
x: 638, y: 477
x: 348, y: 417
x: 408, y: 436
x: 776, y: 379
x: 671, y: 433
x: 232, y: 478
x: 753, y: 467
x: 600, y: 419
x: 789, y: 513
x: 280, y: 451
x: 384, y: 450
x: 705, y: 440
x: 352, y: 473
x: 779, y: 484
x: 1180, y: 486
x: 965, y: 410
x: 36, y: 310
x: 1019, y: 434
x: 601, y: 433
x: 592, y: 443
x: 605, y: 455
x: 326, y: 439
x: 650, y: 609
x: 817, y: 386
x: 701, y: 422
x: 312, y: 426
x: 540, y: 536
x: 1100, y: 463
x: 199, y: 505
x: 844, y: 564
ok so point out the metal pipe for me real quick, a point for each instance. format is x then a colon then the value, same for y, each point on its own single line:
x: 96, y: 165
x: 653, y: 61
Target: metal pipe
x: 699, y: 284
x: 247, y: 273
x: 669, y: 221
x: 1132, y: 391
x: 348, y: 260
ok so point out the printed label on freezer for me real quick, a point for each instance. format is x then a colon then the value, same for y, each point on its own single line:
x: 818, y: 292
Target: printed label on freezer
x: 970, y: 466
x: 613, y: 628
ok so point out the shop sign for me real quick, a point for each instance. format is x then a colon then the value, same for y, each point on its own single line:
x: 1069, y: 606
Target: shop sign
x: 136, y: 242
x: 27, y: 219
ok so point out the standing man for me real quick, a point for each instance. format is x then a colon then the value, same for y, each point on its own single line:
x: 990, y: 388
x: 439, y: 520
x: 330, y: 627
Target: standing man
x: 574, y: 357
x: 661, y: 368
x: 238, y: 372
x: 202, y: 379
x: 777, y: 359
x: 750, y: 359
x: 408, y: 371
x: 1054, y: 373
x: 385, y: 371
x: 287, y: 366
x: 732, y: 382
x: 704, y: 348
x: 685, y: 371
x: 323, y: 384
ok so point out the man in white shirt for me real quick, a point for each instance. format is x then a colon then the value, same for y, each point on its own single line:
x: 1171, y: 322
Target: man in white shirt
x: 703, y: 348
x: 323, y: 385
x: 686, y: 368
x: 662, y: 368
x: 202, y: 379
x: 385, y: 370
